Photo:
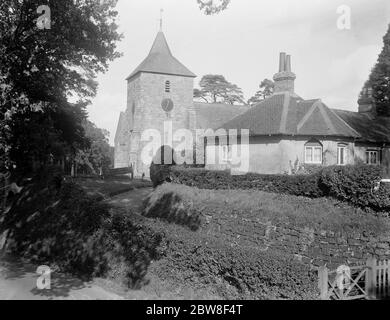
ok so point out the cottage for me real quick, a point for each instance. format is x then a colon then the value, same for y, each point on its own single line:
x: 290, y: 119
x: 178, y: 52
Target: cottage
x: 288, y: 133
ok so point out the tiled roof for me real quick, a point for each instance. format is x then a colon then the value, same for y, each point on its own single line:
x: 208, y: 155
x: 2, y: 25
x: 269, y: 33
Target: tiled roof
x: 214, y: 115
x: 286, y: 114
x: 370, y: 128
x: 161, y: 60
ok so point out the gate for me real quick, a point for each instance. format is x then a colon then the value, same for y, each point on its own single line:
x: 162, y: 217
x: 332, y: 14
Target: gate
x: 369, y: 281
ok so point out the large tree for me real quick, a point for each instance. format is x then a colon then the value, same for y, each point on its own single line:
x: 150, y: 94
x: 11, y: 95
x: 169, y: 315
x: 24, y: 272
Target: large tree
x: 266, y: 90
x: 379, y: 79
x: 96, y: 155
x: 210, y: 7
x: 216, y: 89
x: 43, y: 65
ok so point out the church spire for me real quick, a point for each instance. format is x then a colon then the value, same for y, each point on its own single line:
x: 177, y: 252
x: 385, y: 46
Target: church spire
x: 160, y: 60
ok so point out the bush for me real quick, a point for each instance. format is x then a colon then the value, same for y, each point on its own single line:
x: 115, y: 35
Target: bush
x: 62, y: 225
x: 234, y: 272
x: 356, y: 185
x: 159, y: 171
x: 299, y: 185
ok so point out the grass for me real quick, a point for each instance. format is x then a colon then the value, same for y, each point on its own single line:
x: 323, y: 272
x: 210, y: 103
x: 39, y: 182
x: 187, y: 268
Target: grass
x: 299, y: 211
x: 110, y: 187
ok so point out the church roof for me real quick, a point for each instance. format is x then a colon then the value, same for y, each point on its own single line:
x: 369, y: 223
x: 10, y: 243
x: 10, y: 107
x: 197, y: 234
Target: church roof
x: 160, y: 60
x: 371, y: 129
x: 214, y: 115
x: 287, y: 114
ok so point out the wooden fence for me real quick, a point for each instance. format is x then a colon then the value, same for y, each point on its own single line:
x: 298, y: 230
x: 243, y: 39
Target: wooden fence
x: 369, y: 281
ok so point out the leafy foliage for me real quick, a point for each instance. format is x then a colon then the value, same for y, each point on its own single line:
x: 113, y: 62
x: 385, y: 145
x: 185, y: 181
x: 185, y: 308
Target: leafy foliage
x: 204, y: 258
x: 299, y: 185
x: 56, y: 222
x: 379, y: 79
x: 41, y: 69
x: 356, y: 185
x: 266, y: 90
x: 237, y: 272
x: 215, y: 88
x: 210, y: 7
x: 161, y: 165
x: 96, y: 155
x: 352, y: 184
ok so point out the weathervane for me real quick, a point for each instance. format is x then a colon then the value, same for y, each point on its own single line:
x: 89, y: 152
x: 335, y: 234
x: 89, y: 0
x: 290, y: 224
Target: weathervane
x: 161, y: 18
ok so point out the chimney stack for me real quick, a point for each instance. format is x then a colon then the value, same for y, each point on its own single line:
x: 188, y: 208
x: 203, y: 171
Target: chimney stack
x: 282, y: 60
x: 284, y: 79
x: 288, y: 63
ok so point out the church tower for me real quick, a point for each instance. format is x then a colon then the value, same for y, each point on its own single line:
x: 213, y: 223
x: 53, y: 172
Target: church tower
x: 159, y: 89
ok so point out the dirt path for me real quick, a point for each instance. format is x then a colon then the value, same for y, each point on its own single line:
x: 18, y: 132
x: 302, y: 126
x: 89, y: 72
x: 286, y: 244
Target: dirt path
x: 18, y: 281
x: 131, y: 200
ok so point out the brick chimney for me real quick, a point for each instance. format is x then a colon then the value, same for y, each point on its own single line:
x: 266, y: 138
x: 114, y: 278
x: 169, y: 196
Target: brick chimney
x: 284, y: 79
x: 366, y: 102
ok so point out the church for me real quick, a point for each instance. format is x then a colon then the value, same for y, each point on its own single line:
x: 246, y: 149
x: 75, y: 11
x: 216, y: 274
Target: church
x: 286, y: 132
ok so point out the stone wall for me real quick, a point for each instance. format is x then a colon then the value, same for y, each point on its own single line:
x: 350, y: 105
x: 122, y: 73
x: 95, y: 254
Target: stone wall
x: 309, y: 245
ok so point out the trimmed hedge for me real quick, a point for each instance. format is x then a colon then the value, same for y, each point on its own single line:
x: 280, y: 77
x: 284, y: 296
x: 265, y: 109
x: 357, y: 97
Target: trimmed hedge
x: 353, y: 184
x: 299, y: 185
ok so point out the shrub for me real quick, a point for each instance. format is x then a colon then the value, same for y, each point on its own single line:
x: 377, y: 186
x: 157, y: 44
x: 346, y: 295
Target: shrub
x: 356, y: 185
x: 159, y: 171
x: 234, y: 272
x: 77, y: 232
x: 299, y: 185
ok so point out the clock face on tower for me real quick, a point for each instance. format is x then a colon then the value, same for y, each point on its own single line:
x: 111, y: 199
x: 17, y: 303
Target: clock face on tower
x: 167, y: 105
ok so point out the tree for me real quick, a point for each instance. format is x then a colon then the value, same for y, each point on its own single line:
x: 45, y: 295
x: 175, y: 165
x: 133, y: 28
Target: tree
x: 266, y: 90
x: 210, y: 7
x: 97, y: 153
x: 379, y: 79
x: 40, y: 69
x: 199, y: 94
x: 215, y: 88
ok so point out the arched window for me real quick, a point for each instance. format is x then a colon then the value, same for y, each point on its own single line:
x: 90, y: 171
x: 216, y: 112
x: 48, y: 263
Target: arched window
x: 313, y: 152
x: 167, y: 86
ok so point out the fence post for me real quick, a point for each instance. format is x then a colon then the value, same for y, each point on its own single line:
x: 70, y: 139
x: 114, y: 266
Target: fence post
x: 371, y: 278
x: 323, y: 282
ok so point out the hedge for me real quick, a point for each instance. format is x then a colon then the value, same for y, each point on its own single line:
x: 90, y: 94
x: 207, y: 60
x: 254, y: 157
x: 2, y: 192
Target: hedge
x: 356, y: 185
x: 352, y: 184
x: 200, y: 260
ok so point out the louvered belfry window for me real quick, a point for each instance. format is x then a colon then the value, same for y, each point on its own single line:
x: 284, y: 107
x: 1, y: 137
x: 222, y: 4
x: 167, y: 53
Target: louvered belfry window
x: 167, y: 86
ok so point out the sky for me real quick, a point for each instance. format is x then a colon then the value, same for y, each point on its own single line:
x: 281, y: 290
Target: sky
x: 243, y: 44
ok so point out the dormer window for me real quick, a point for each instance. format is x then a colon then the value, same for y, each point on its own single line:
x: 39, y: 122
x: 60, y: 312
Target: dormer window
x: 167, y: 86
